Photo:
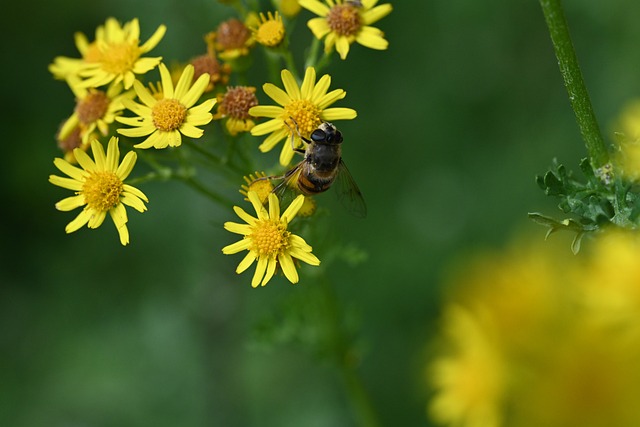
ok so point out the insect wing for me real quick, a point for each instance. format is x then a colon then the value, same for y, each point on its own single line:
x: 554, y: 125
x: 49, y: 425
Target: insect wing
x: 348, y: 192
x: 287, y: 189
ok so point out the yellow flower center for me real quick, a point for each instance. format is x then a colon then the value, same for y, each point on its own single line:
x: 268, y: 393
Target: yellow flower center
x: 344, y: 19
x: 93, y: 107
x: 168, y: 114
x: 269, y: 238
x: 232, y: 34
x: 271, y: 32
x: 102, y: 190
x: 93, y: 53
x: 302, y: 116
x: 119, y: 58
x: 237, y: 101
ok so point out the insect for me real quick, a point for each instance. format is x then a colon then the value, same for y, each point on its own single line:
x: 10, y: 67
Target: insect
x: 321, y: 169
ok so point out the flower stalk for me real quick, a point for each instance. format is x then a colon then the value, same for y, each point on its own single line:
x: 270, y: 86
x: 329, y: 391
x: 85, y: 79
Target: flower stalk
x: 574, y: 83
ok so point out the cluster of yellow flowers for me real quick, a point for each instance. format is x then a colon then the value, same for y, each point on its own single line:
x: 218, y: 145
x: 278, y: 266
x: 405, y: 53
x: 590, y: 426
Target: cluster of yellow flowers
x: 116, y: 99
x: 534, y: 336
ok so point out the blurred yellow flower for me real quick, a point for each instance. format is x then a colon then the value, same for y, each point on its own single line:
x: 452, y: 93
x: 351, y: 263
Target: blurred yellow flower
x: 99, y: 187
x: 302, y: 109
x: 342, y: 22
x: 118, y: 56
x: 259, y: 184
x: 471, y: 381
x: 165, y: 119
x: 535, y: 336
x: 268, y: 240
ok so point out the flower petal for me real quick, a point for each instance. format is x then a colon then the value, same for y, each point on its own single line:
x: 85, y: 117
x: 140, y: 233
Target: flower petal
x: 271, y: 111
x: 271, y: 268
x: 113, y: 155
x: 293, y: 208
x: 97, y: 219
x: 331, y: 97
x: 372, y: 38
x: 290, y: 84
x: 377, y: 13
x: 319, y: 27
x: 342, y: 46
x: 307, y: 257
x: 133, y: 190
x: 68, y: 169
x: 236, y: 247
x: 184, y: 82
x: 167, y: 83
x: 259, y: 273
x: 277, y: 94
x: 133, y: 201
x: 196, y: 91
x: 288, y: 267
x: 126, y: 166
x: 143, y: 95
x: 246, y: 262
x: 308, y: 83
x: 315, y: 6
x: 68, y: 183
x: 84, y: 160
x: 79, y: 221
x: 321, y: 88
x: 273, y: 125
x: 70, y: 203
x: 154, y: 39
x: 244, y: 216
x: 331, y: 114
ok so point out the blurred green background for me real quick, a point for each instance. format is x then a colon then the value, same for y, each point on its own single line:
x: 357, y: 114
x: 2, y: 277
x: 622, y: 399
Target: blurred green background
x: 454, y: 121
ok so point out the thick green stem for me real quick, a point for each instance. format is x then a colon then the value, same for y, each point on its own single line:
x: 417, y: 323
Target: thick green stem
x: 573, y: 81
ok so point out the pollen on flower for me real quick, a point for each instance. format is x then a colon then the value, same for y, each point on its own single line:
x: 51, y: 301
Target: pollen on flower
x: 232, y: 34
x: 93, y: 107
x: 121, y: 57
x: 237, y: 101
x: 102, y: 190
x: 344, y: 19
x: 308, y: 208
x: 269, y: 237
x: 168, y: 114
x: 271, y: 30
x: 302, y: 116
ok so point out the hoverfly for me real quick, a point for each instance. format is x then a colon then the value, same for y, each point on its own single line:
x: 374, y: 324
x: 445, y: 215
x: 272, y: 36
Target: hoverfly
x: 321, y: 168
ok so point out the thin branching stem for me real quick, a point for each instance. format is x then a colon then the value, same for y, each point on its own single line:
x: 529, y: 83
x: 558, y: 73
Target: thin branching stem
x: 573, y: 81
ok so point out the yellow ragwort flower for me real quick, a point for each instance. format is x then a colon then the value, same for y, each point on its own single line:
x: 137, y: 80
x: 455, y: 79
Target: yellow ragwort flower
x: 95, y: 109
x: 63, y: 67
x: 118, y: 57
x: 302, y: 109
x: 234, y: 105
x: 288, y: 8
x: 167, y: 118
x: 268, y: 240
x: 343, y: 22
x: 471, y: 382
x: 259, y: 184
x: 270, y: 31
x: 99, y: 187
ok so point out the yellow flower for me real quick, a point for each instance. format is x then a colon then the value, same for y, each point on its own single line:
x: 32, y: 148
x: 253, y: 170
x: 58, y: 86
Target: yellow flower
x: 173, y: 114
x: 288, y: 8
x: 64, y: 67
x: 302, y: 109
x: 343, y: 22
x: 119, y: 54
x: 72, y: 139
x: 99, y: 187
x: 270, y: 32
x: 268, y: 240
x: 234, y: 105
x: 259, y: 184
x: 95, y: 109
x: 470, y: 382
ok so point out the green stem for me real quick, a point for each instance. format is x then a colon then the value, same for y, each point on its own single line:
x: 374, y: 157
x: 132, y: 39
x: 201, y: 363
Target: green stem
x: 573, y: 81
x: 196, y: 185
x: 346, y: 360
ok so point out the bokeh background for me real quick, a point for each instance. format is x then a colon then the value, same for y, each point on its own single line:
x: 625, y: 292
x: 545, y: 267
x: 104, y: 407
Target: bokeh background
x: 454, y: 122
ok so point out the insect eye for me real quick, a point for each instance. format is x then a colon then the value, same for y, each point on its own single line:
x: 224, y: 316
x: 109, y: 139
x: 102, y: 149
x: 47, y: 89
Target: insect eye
x: 318, y: 135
